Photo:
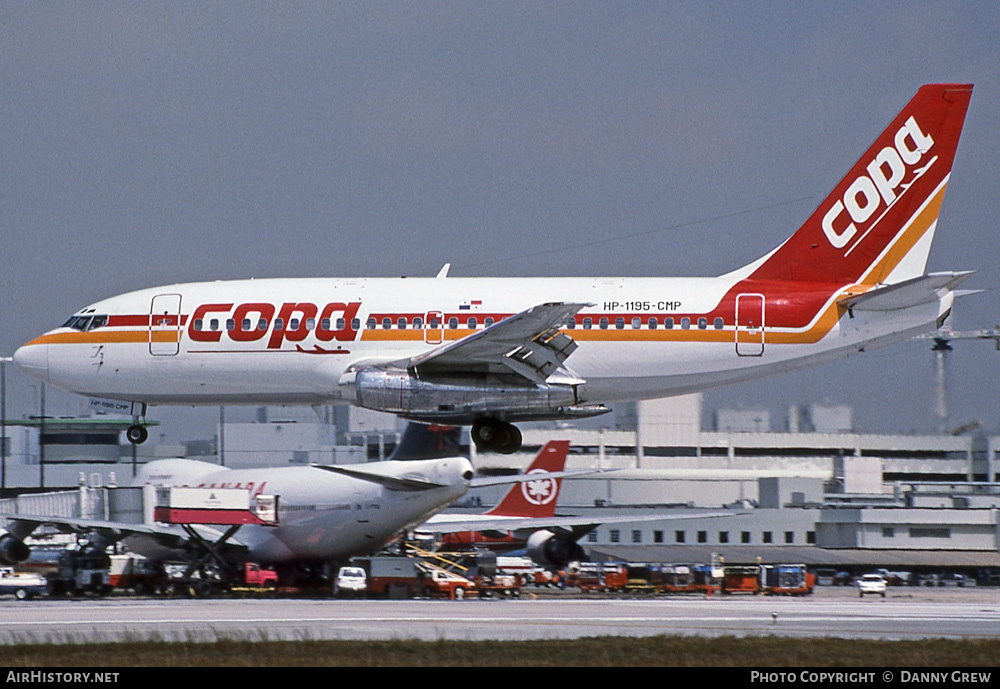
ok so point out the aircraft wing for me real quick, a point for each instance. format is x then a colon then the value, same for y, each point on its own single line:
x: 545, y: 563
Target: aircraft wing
x: 22, y: 526
x: 481, y: 481
x: 919, y: 290
x: 456, y: 523
x: 402, y: 483
x: 528, y: 343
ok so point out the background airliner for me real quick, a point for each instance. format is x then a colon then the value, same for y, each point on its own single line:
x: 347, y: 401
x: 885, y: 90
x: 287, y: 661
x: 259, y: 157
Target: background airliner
x: 491, y: 352
x: 324, y: 512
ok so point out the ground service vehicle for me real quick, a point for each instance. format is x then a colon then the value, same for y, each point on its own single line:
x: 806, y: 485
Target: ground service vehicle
x: 22, y: 585
x: 350, y: 581
x: 788, y: 580
x: 255, y: 576
x: 137, y: 573
x: 872, y: 583
x: 741, y: 579
x: 437, y: 582
x: 597, y: 576
x: 389, y: 576
x: 81, y: 571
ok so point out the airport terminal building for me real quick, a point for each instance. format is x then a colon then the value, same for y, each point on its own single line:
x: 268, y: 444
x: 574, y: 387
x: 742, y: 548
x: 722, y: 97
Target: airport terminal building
x: 816, y: 492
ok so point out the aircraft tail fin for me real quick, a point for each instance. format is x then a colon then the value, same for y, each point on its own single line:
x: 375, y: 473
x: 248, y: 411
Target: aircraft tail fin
x: 428, y: 441
x: 536, y: 498
x: 877, y: 224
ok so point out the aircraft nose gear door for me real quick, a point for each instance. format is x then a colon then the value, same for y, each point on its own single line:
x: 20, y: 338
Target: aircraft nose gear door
x: 165, y: 325
x: 750, y: 324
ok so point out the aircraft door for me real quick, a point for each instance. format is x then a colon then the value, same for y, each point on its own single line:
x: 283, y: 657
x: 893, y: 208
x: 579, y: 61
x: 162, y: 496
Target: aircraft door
x: 165, y: 325
x: 750, y: 325
x: 433, y: 327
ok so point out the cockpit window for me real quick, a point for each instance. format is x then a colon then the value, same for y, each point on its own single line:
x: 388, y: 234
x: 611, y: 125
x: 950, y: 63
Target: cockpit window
x: 85, y: 323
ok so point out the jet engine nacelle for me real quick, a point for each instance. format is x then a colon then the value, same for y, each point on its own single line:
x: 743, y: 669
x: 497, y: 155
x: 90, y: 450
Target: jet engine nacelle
x: 13, y: 550
x: 462, y: 399
x: 549, y: 549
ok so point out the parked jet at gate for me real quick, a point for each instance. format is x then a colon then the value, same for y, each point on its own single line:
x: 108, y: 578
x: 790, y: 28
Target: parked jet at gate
x: 493, y: 351
x: 525, y: 518
x: 324, y: 512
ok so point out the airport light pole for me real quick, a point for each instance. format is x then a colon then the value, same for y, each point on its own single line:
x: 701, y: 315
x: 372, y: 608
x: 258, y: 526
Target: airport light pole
x: 3, y: 423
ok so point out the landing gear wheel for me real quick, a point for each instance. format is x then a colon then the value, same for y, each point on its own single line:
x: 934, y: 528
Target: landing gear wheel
x: 491, y: 435
x: 510, y: 440
x: 137, y: 434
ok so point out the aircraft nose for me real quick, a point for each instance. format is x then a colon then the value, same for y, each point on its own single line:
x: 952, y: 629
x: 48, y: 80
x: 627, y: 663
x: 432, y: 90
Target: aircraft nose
x: 33, y: 359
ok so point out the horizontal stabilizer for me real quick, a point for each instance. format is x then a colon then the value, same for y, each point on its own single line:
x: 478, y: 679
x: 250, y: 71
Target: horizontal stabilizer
x: 902, y: 295
x: 390, y: 482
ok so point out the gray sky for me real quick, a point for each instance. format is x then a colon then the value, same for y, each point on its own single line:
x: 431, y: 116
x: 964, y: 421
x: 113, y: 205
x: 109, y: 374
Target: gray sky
x: 150, y: 143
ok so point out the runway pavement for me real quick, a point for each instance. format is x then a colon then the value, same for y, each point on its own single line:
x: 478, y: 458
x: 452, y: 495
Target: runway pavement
x: 905, y: 614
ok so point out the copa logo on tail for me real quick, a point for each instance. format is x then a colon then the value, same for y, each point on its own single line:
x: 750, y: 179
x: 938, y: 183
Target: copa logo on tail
x: 886, y: 173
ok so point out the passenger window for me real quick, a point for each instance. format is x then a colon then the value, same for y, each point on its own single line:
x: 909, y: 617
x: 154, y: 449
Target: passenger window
x: 488, y: 322
x: 401, y: 323
x: 386, y: 323
x: 619, y: 323
x: 636, y: 323
x: 325, y: 323
x: 604, y: 324
x: 371, y: 325
x: 310, y: 324
x: 197, y: 324
x: 685, y: 323
x: 355, y: 324
x: 342, y: 324
x: 452, y: 323
x: 588, y: 323
x: 719, y: 324
x: 214, y: 324
x: 471, y: 323
x: 262, y: 324
x: 652, y: 323
x: 247, y: 325
x: 668, y: 323
x: 432, y: 323
x: 279, y: 324
x: 231, y: 324
x: 702, y: 323
x: 418, y: 323
x: 571, y: 324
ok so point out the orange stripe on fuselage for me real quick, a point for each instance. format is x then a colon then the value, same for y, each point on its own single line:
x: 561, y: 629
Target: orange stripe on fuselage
x: 107, y: 337
x: 825, y: 321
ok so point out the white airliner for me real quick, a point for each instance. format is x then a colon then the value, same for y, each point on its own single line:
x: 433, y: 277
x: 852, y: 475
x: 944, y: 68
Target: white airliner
x: 324, y: 512
x: 493, y: 351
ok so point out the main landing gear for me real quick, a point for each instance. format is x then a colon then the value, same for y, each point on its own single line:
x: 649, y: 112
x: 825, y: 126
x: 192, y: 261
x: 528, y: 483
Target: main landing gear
x: 491, y: 435
x: 137, y: 433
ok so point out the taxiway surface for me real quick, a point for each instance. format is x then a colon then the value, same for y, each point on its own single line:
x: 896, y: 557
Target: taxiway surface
x: 905, y: 614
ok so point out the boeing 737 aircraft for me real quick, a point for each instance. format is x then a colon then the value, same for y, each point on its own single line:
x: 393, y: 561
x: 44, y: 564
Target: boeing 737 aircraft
x: 494, y: 351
